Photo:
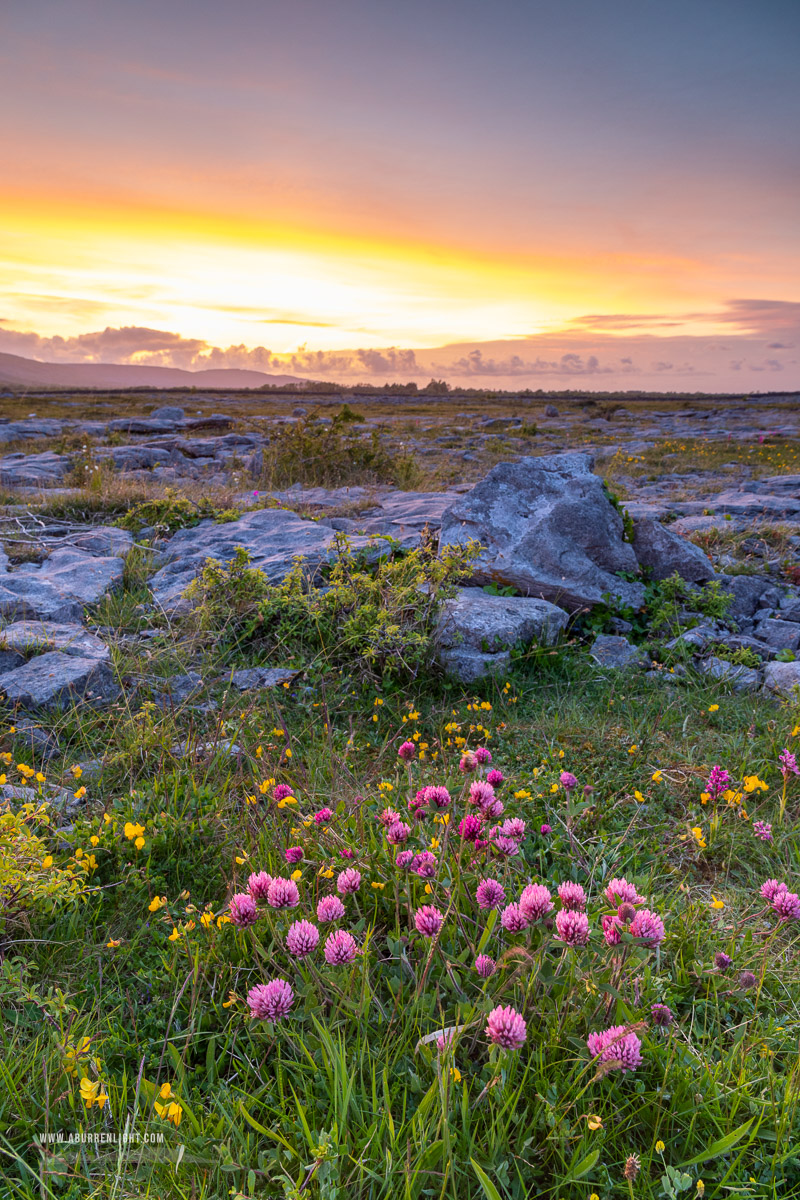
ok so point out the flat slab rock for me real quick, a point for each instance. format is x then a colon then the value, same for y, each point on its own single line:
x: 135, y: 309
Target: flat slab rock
x: 273, y: 537
x: 480, y: 621
x: 251, y: 679
x: 40, y: 636
x: 54, y: 680
x: 548, y: 529
x: 27, y: 597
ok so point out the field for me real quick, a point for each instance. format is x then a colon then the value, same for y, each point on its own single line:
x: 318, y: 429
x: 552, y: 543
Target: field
x: 148, y: 1050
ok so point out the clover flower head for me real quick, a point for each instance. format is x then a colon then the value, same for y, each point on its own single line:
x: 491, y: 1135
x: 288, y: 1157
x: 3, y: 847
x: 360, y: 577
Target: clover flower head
x: 330, y: 908
x: 619, y: 891
x: 281, y: 791
x: 568, y: 781
x: 513, y: 919
x: 485, y: 966
x: 323, y: 816
x: 283, y: 893
x: 787, y: 906
x: 302, y: 938
x: 513, y: 827
x: 428, y: 920
x: 508, y: 847
x: 572, y: 896
x: 294, y: 854
x: 340, y: 948
x: 270, y: 1001
x: 481, y: 793
x: 747, y: 980
x: 483, y: 756
x: 495, y: 777
x: 505, y: 1027
x: 612, y: 927
x: 617, y: 1046
x: 545, y: 829
x: 771, y: 888
x: 572, y: 928
x: 398, y: 833
x: 490, y: 894
x: 243, y: 910
x: 407, y: 751
x: 424, y: 864
x: 404, y: 859
x: 258, y: 885
x: 348, y: 881
x: 536, y: 901
x: 722, y: 960
x: 470, y: 827
x: 468, y: 763
x: 762, y: 830
x: 389, y: 817
x: 662, y: 1015
x: 648, y: 926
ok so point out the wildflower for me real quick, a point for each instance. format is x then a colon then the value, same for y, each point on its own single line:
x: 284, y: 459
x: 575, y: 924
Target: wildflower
x: 513, y: 827
x: 283, y: 893
x: 139, y: 843
x: 270, y: 1001
x: 787, y: 905
x: 133, y: 831
x: 771, y: 888
x: 428, y: 920
x: 632, y: 1168
x: 506, y: 846
x: 81, y: 792
x: 697, y: 833
x: 77, y: 771
x: 751, y: 783
x: 340, y: 948
x: 424, y: 864
x: 490, y: 894
x: 389, y: 817
x: 398, y: 833
x: 468, y: 763
x: 170, y: 1112
x: 662, y: 1015
x: 506, y: 1028
x: 113, y: 943
x: 545, y: 829
x: 485, y: 966
x: 762, y: 830
x: 718, y: 781
x: 567, y: 781
x: 345, y: 853
x: 348, y: 881
x: 470, y: 827
x: 407, y: 751
x: 494, y: 777
x: 660, y: 1147
x: 612, y: 927
x: 330, y: 908
x: 619, y: 891
x: 747, y: 980
x: 712, y: 708
x: 293, y: 854
x: 483, y: 756
x: 594, y: 1123
x: 572, y: 927
x: 513, y: 919
x: 243, y: 910
x: 156, y: 903
x: 617, y: 1047
x: 481, y: 793
x: 648, y: 926
x: 788, y: 764
x: 439, y: 797
x: 302, y: 938
x: 281, y: 791
x: 404, y: 859
x: 92, y: 1093
x: 701, y: 1188
x: 258, y: 885
x: 722, y: 960
x: 536, y: 902
x: 175, y: 935
x: 572, y: 896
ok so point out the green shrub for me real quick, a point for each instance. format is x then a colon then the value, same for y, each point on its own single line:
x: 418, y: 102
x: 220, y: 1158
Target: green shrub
x: 172, y: 511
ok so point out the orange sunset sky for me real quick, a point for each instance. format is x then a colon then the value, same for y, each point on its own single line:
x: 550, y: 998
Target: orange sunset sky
x: 516, y: 193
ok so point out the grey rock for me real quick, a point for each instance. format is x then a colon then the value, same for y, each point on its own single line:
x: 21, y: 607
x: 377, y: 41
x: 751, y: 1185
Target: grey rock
x: 299, y: 412
x: 695, y: 638
x: 664, y: 552
x: 177, y: 689
x: 468, y: 666
x: 550, y: 410
x: 34, y: 470
x: 104, y: 541
x: 548, y: 529
x: 54, y: 680
x: 9, y: 659
x: 272, y: 536
x: 780, y: 635
x: 479, y: 621
x: 746, y: 590
x: 742, y: 679
x: 25, y: 597
x: 617, y: 653
x: 73, y: 639
x: 168, y: 412
x: 39, y: 742
x: 81, y: 576
x: 782, y: 677
x: 790, y: 608
x: 261, y: 678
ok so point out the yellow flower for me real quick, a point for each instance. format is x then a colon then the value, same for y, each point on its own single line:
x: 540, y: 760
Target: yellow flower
x: 701, y: 1188
x: 40, y: 779
x: 94, y: 840
x: 89, y: 863
x: 106, y: 818
x: 296, y: 875
x: 79, y: 853
x: 207, y: 920
x: 632, y: 749
x: 92, y: 1093
x: 241, y: 858
x: 139, y: 843
x: 594, y: 1122
x: 287, y: 800
x: 288, y: 752
x: 133, y: 831
x: 156, y: 903
x: 170, y: 1112
x: 697, y: 832
x: 657, y: 776
x: 378, y: 886
x: 165, y: 1091
x: 222, y: 919
x: 455, y: 1075
x: 795, y: 731
x: 232, y: 998
x: 76, y: 771
x: 660, y: 1147
x: 112, y: 943
x: 594, y: 1196
x: 715, y: 903
x: 48, y: 861
x: 428, y: 889
x: 81, y: 792
x: 639, y: 797
x: 71, y: 1053
x: 753, y: 783
x: 326, y: 873
x: 173, y: 937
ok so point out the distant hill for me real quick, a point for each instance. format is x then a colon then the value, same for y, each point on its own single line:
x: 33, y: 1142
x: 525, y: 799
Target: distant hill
x: 27, y: 372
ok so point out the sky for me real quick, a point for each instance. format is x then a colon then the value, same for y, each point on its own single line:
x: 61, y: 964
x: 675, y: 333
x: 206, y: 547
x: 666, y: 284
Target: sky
x: 527, y: 192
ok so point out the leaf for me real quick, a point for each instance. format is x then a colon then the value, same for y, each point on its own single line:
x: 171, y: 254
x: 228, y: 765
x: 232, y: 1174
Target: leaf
x: 484, y: 1180
x: 721, y: 1146
x: 487, y: 933
x: 583, y: 1167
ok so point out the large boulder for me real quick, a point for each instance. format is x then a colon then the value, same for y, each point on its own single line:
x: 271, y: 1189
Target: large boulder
x: 783, y: 678
x: 476, y: 630
x: 547, y: 528
x: 54, y: 679
x: 25, y: 597
x: 272, y: 537
x: 81, y: 576
x: 664, y: 553
x: 779, y: 635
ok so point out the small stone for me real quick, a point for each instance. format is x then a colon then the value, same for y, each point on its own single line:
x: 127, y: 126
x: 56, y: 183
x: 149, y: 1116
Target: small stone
x: 616, y: 653
x: 743, y: 679
x: 261, y: 678
x: 782, y: 677
x: 780, y: 635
